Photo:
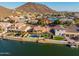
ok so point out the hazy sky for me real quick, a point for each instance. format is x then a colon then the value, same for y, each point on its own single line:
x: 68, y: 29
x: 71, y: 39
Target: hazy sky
x: 59, y: 6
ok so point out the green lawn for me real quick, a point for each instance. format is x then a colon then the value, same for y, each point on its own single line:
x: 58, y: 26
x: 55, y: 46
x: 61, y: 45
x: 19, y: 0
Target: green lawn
x: 58, y: 38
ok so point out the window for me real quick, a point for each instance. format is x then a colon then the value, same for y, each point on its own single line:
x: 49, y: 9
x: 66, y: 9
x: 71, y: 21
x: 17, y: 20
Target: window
x: 67, y: 35
x: 57, y: 30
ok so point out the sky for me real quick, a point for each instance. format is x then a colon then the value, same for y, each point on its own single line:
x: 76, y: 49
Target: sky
x: 58, y: 6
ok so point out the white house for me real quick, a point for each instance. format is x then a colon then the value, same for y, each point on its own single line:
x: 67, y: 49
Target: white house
x: 66, y: 19
x: 59, y: 30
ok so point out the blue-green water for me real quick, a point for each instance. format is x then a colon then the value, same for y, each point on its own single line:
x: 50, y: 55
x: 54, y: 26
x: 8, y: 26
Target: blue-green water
x: 53, y: 19
x: 15, y: 48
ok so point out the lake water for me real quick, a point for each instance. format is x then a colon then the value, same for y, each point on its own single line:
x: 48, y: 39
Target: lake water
x: 35, y: 49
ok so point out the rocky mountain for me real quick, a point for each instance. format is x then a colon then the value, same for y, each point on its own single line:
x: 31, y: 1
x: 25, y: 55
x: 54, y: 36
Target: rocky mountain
x: 34, y: 7
x: 4, y: 12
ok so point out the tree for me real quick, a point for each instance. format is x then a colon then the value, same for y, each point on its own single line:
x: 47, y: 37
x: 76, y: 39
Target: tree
x: 76, y: 21
x: 57, y: 22
x: 67, y: 23
x: 41, y: 23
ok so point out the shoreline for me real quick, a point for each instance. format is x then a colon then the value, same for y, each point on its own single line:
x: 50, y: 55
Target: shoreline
x: 39, y: 40
x: 21, y: 39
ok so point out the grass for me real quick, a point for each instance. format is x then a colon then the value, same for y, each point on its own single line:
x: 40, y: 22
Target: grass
x: 58, y: 38
x: 45, y: 35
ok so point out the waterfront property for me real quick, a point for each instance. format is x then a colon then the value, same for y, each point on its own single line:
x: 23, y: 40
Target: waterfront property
x: 58, y: 30
x: 72, y: 32
x: 42, y: 29
x: 42, y: 26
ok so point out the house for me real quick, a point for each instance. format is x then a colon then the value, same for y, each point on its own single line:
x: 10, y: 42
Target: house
x: 22, y: 19
x: 46, y: 21
x: 41, y: 29
x: 31, y: 16
x: 19, y: 27
x: 72, y: 30
x: 14, y: 18
x: 58, y: 30
x: 76, y: 14
x: 39, y: 16
x: 6, y: 19
x: 65, y: 19
x: 4, y: 25
x: 32, y: 21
